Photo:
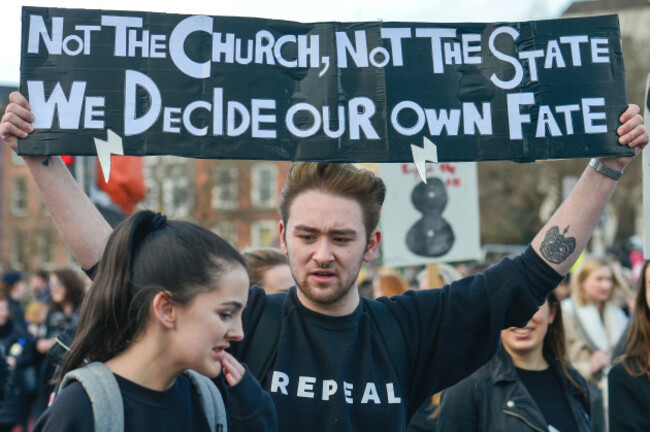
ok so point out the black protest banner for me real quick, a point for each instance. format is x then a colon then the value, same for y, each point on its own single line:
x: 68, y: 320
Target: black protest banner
x: 248, y: 88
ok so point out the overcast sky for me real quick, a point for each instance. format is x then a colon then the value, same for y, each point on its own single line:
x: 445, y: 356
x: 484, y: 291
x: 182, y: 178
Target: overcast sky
x: 293, y: 10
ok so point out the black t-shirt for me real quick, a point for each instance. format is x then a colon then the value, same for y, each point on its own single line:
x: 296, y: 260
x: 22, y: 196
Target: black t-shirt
x: 546, y: 389
x: 176, y: 409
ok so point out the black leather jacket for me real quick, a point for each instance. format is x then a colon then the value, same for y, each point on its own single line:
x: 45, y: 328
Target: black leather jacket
x: 494, y: 399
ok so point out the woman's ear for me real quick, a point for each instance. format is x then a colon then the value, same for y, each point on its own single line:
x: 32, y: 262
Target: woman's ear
x: 164, y: 309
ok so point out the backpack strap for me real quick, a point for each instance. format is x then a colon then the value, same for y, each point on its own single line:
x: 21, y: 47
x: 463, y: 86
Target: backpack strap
x: 264, y: 339
x: 392, y: 335
x: 211, y: 400
x: 104, y: 393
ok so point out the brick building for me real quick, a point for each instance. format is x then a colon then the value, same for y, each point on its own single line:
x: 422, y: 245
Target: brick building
x: 239, y: 200
x: 28, y: 239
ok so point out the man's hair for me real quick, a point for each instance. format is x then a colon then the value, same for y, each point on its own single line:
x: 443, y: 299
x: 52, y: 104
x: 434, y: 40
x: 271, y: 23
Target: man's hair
x: 340, y: 179
x: 260, y: 260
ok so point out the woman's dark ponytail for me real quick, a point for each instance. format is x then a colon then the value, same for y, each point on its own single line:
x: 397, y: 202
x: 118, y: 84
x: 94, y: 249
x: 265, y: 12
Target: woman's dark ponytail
x: 146, y: 254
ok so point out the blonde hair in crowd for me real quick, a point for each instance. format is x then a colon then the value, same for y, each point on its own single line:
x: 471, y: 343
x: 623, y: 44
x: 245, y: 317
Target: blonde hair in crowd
x: 578, y: 277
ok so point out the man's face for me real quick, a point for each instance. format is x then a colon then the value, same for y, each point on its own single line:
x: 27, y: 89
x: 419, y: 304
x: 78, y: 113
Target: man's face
x: 325, y: 240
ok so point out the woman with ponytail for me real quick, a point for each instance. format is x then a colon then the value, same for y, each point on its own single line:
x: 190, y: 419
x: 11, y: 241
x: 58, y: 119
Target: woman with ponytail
x: 167, y: 297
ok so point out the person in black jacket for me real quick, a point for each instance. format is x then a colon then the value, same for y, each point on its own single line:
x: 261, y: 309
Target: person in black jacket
x: 17, y: 346
x: 13, y: 286
x: 629, y: 379
x: 527, y: 386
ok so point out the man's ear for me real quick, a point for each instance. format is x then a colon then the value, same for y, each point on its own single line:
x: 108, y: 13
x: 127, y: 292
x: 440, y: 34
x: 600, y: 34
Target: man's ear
x: 373, y: 246
x: 164, y: 309
x: 283, y: 238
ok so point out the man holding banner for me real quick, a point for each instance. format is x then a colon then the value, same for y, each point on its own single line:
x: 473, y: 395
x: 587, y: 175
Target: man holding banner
x: 354, y: 92
x: 335, y: 368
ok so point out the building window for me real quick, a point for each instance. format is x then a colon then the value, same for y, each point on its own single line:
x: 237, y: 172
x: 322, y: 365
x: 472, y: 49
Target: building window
x: 19, y: 250
x: 225, y: 191
x: 170, y: 188
x: 264, y: 178
x: 177, y: 196
x: 264, y: 233
x: 227, y: 231
x: 19, y: 196
x: 45, y: 247
x: 152, y: 200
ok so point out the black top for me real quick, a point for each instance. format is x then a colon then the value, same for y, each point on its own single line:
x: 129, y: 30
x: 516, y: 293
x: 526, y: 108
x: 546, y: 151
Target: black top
x: 336, y: 373
x: 176, y: 409
x: 629, y: 401
x: 546, y: 389
x: 495, y: 398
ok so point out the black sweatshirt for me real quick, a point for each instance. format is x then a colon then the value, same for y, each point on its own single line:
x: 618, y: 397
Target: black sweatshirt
x: 335, y: 374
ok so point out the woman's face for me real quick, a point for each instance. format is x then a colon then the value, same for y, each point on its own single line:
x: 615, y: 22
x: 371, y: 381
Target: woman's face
x: 598, y: 285
x: 529, y: 339
x: 4, y: 312
x: 209, y: 323
x: 57, y: 290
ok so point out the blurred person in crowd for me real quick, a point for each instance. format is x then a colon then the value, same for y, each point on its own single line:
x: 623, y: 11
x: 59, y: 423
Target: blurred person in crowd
x: 39, y: 281
x: 629, y: 379
x: 594, y: 324
x: 446, y: 275
x: 14, y: 287
x: 390, y: 285
x: 366, y: 288
x: 528, y: 386
x: 268, y: 268
x: 17, y: 346
x: 36, y: 318
x: 67, y: 291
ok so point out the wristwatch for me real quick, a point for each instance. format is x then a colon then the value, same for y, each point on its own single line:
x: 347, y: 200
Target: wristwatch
x: 605, y: 169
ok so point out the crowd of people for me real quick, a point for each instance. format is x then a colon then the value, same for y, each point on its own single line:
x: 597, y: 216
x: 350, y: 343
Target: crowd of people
x: 34, y: 309
x: 171, y: 304
x: 574, y: 346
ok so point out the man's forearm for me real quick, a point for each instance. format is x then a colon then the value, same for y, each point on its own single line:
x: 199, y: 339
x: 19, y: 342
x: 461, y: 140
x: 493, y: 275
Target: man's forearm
x: 83, y: 229
x: 566, y: 234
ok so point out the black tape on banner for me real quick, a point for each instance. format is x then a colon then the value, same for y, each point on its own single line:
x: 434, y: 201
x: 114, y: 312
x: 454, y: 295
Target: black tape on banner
x: 247, y: 88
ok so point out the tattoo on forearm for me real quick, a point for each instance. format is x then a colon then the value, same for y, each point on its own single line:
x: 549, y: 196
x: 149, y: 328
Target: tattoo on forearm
x: 46, y: 161
x: 556, y: 247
